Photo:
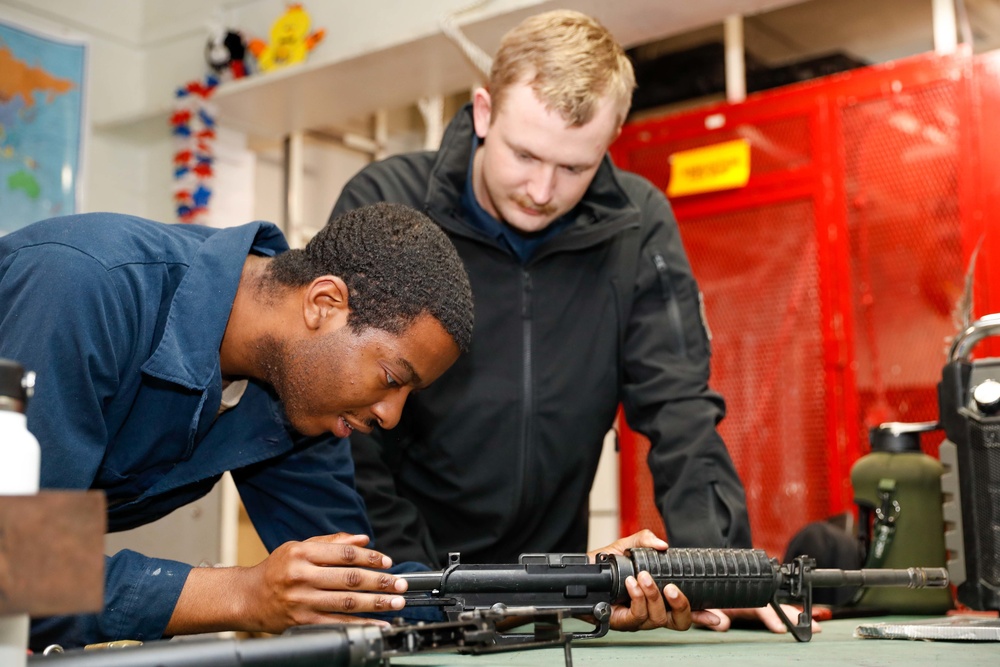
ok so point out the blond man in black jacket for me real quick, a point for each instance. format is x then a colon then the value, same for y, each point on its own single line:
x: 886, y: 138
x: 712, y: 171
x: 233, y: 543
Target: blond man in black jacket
x: 584, y: 299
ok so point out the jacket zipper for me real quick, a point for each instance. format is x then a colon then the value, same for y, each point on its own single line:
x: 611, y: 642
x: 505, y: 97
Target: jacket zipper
x: 673, y: 308
x: 526, y: 315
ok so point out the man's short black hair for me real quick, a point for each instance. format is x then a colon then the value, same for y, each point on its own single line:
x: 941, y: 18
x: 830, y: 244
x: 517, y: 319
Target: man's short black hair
x: 397, y: 265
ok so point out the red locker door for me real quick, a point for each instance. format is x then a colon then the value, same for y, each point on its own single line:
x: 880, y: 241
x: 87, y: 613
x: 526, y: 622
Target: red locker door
x: 829, y: 279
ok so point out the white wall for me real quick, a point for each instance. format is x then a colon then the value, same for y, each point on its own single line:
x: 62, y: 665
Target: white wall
x: 326, y: 168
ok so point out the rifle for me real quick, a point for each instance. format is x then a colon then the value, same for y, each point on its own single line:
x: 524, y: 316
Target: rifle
x: 343, y: 645
x: 542, y: 589
x: 710, y: 578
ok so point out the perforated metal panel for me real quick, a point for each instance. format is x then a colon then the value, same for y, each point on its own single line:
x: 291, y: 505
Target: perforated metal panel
x: 830, y: 279
x: 759, y: 274
x: 901, y: 201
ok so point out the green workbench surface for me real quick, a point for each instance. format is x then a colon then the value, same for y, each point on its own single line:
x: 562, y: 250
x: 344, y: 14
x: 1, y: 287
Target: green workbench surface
x: 835, y: 645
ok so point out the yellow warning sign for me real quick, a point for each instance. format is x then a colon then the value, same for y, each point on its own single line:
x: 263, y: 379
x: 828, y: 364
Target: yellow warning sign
x: 709, y: 168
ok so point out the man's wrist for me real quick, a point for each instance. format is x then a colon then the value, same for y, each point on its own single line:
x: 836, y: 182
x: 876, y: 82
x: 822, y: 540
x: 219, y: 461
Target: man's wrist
x: 215, y: 599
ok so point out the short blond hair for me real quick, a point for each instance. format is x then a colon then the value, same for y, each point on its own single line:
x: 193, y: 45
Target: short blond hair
x: 570, y: 61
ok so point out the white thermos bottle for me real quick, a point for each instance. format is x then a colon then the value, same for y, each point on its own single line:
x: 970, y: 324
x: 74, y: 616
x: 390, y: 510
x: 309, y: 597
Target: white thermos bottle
x: 20, y: 460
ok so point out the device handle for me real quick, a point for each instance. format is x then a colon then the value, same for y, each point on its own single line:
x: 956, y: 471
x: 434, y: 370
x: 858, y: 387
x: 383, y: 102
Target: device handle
x: 987, y: 325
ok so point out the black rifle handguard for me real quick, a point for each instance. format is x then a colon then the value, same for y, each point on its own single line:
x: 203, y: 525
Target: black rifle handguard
x: 710, y: 578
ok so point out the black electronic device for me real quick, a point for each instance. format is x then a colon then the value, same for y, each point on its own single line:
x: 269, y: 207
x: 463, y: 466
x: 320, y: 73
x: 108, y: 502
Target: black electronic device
x: 969, y: 402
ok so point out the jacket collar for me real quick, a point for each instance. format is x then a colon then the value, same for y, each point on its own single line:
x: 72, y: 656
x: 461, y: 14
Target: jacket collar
x: 188, y: 354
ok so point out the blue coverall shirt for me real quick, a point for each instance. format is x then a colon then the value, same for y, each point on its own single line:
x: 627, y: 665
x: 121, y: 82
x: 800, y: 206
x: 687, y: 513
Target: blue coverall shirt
x: 122, y: 318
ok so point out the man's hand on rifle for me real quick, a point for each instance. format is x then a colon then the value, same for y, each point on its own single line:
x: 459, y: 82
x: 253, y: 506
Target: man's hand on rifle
x: 325, y: 579
x: 649, y: 606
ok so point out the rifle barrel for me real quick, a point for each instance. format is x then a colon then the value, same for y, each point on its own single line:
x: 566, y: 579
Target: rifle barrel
x: 912, y: 577
x: 422, y: 581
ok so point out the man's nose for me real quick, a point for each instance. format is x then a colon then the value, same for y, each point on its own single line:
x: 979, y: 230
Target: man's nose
x: 542, y: 184
x: 390, y: 409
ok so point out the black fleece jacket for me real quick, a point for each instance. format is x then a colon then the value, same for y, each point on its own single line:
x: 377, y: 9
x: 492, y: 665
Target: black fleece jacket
x: 498, y: 456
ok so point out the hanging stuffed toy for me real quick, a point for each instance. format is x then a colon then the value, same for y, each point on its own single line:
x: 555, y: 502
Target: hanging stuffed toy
x: 290, y: 41
x: 225, y: 53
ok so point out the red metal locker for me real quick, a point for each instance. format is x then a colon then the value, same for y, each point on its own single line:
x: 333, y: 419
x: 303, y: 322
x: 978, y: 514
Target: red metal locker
x: 831, y: 277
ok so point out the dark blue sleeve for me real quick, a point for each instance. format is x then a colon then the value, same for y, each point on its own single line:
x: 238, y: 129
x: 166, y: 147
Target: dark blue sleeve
x: 307, y: 492
x: 139, y: 600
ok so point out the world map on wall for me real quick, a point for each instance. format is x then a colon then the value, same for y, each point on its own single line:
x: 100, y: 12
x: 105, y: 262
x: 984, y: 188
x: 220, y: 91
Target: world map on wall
x: 41, y: 113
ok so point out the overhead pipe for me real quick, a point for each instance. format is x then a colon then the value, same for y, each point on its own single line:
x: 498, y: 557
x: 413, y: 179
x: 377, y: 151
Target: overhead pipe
x: 736, y: 76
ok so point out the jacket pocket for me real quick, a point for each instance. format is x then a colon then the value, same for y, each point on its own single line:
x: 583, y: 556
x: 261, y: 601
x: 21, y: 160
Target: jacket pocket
x: 688, y: 333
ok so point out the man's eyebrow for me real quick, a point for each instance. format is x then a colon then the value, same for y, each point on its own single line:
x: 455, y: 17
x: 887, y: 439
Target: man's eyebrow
x: 522, y: 149
x: 414, y: 378
x: 582, y: 166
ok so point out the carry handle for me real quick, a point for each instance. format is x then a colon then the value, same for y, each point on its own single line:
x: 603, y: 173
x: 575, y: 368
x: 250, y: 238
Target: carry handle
x: 985, y: 326
x: 898, y: 428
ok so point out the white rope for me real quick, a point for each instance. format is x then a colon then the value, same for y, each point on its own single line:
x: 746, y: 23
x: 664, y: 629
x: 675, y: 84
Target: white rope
x: 479, y: 59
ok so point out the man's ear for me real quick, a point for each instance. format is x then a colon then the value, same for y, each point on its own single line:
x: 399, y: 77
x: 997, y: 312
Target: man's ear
x: 325, y: 303
x: 482, y: 108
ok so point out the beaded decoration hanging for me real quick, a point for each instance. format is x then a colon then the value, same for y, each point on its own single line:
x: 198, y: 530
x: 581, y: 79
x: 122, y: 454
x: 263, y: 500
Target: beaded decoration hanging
x: 193, y: 127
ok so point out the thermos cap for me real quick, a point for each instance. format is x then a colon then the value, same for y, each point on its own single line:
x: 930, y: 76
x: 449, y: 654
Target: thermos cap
x: 898, y: 437
x: 12, y: 384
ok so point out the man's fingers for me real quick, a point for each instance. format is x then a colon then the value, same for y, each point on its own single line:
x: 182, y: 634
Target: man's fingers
x: 335, y: 551
x: 793, y: 615
x: 345, y: 619
x: 353, y: 579
x: 764, y: 615
x: 680, y: 608
x: 342, y: 538
x: 771, y: 620
x: 711, y: 618
x: 342, y: 602
x: 644, y: 538
x: 337, y: 607
x: 645, y: 609
x: 724, y: 617
x: 637, y: 603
